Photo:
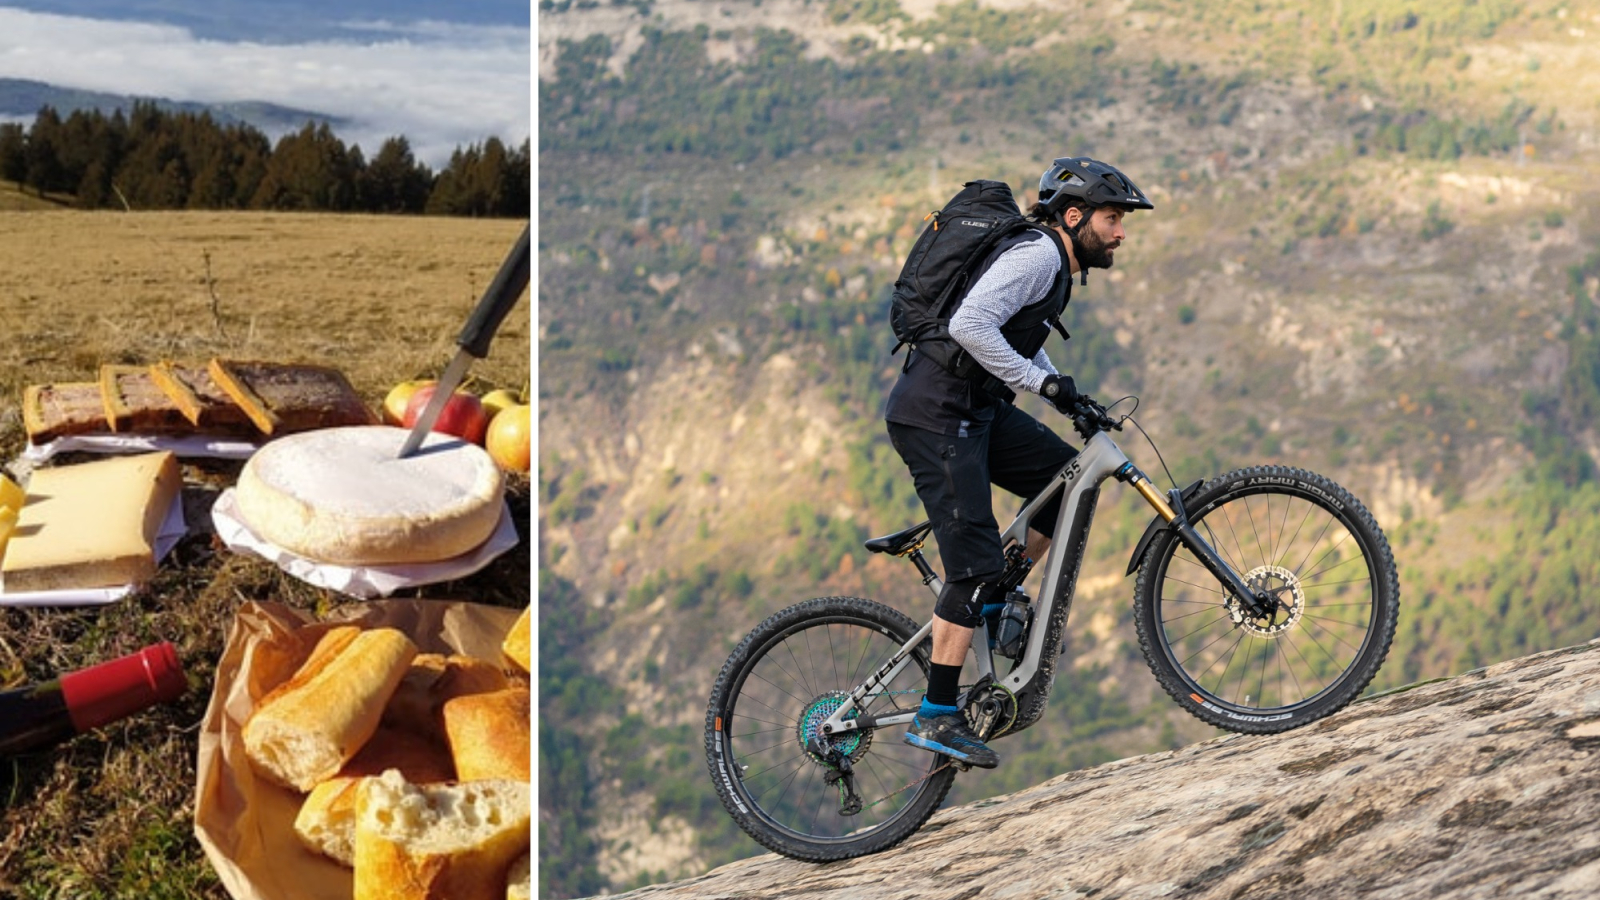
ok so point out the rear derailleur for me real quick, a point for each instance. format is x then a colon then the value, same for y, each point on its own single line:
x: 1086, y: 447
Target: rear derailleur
x: 840, y: 774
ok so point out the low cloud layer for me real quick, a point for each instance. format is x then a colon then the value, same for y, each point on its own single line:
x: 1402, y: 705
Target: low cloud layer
x: 442, y: 85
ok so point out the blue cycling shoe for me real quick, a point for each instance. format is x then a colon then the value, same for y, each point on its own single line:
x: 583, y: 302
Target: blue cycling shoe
x: 950, y: 735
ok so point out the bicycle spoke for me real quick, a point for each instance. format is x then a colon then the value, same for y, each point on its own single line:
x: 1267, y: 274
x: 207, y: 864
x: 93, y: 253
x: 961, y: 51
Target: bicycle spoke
x: 1254, y: 530
x: 1220, y: 618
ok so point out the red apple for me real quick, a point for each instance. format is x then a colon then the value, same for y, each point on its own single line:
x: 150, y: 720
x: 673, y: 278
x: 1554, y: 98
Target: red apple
x: 394, y: 404
x: 462, y: 416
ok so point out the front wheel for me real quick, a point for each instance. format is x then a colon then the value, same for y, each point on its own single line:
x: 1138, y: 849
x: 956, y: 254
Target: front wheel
x: 763, y: 733
x: 1307, y: 543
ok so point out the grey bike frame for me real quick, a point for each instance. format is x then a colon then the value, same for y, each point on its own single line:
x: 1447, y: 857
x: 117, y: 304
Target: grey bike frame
x: 1080, y: 479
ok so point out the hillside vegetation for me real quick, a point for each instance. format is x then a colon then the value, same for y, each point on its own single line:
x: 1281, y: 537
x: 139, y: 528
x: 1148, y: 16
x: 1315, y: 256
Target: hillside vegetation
x: 1372, y: 255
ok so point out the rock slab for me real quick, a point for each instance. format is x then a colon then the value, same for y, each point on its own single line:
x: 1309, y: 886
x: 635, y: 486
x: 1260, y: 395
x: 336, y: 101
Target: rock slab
x: 1485, y: 785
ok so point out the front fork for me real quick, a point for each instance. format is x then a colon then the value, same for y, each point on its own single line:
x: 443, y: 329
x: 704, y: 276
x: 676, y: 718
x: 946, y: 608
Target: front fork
x: 1171, y: 510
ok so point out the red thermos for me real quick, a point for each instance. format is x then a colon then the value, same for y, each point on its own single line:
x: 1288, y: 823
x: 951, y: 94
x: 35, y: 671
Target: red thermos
x: 43, y: 714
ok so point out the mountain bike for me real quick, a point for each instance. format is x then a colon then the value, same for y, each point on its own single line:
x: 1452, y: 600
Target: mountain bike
x: 1266, y: 599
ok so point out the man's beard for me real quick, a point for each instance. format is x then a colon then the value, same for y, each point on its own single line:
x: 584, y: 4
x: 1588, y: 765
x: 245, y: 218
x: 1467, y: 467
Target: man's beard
x: 1092, y: 250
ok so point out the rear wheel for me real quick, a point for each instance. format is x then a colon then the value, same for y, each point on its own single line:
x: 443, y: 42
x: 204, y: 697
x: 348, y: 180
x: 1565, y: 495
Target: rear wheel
x: 1309, y: 544
x: 763, y: 730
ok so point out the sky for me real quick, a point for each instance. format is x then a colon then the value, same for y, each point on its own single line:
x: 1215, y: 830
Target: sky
x: 443, y: 74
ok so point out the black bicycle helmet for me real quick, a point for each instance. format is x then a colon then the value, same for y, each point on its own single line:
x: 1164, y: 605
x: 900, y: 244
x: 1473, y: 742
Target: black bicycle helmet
x: 1090, y: 181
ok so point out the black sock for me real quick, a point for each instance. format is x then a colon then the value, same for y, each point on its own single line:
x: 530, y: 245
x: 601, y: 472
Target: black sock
x: 944, y: 683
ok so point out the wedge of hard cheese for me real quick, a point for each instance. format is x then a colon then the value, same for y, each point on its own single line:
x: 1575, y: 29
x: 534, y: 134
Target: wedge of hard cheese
x: 91, y: 525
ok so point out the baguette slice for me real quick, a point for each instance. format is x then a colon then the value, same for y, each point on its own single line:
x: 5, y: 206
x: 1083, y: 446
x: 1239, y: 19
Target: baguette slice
x: 519, y: 880
x: 50, y: 411
x: 327, y: 820
x: 306, y: 730
x: 438, y: 841
x: 196, y: 394
x: 490, y: 735
x: 518, y: 645
x: 135, y: 404
x: 282, y: 399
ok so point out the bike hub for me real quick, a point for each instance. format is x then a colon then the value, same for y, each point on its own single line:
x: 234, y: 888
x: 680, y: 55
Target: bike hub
x: 851, y: 745
x: 1280, y: 591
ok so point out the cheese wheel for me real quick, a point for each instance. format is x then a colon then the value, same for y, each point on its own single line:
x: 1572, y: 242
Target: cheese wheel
x: 342, y: 495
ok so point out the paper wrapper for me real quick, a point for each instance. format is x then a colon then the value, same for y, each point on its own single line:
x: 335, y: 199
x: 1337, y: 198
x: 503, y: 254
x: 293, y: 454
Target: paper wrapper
x: 184, y: 445
x: 244, y: 822
x: 361, y: 582
x: 173, y: 528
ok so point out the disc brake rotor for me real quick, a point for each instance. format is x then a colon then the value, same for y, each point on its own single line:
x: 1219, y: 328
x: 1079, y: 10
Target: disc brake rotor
x: 1276, y: 582
x: 851, y: 744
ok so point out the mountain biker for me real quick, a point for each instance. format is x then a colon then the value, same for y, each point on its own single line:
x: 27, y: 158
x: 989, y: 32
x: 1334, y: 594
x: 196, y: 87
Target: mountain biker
x: 956, y: 435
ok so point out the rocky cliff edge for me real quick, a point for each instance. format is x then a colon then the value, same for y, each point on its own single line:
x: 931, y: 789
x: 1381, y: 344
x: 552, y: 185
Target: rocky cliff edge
x: 1483, y: 785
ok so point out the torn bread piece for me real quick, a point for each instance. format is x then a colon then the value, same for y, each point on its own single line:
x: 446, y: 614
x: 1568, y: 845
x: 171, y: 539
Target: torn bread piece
x: 283, y: 398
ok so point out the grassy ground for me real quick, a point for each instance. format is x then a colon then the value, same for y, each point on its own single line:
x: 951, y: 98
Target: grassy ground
x: 110, y: 813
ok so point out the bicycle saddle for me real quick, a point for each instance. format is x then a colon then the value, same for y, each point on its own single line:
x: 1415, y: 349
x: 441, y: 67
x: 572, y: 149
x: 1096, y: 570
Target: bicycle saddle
x: 901, y: 542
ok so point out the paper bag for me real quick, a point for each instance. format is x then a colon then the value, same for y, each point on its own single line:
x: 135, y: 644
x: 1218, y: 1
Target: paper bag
x: 244, y: 822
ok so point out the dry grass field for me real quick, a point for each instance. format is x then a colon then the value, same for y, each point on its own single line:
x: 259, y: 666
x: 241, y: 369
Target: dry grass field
x: 110, y: 813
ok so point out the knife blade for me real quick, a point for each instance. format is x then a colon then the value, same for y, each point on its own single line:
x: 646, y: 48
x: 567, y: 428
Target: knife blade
x: 501, y: 295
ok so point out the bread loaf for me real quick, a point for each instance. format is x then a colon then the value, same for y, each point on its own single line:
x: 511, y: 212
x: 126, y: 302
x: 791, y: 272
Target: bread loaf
x: 490, y: 735
x: 518, y: 645
x: 303, y: 732
x: 440, y: 841
x: 432, y: 679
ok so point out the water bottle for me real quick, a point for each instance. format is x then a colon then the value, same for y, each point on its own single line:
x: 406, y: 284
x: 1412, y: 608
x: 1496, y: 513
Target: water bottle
x: 1009, y: 627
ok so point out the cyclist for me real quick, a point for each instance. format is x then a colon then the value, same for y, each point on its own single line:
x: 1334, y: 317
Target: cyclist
x: 956, y: 435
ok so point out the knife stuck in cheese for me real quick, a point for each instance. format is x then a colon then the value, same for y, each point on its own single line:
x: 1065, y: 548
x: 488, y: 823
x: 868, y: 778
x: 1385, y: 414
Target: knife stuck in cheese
x: 91, y: 525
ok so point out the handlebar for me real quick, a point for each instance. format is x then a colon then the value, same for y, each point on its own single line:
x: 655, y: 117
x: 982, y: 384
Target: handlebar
x: 1089, y: 418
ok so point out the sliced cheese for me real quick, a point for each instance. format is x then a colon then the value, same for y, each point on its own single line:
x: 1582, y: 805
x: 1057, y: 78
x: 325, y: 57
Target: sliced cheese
x: 11, y: 496
x: 342, y: 495
x: 91, y: 525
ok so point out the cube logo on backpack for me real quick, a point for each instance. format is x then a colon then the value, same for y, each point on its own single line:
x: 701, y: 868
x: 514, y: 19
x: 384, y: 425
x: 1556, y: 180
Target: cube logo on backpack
x: 939, y: 269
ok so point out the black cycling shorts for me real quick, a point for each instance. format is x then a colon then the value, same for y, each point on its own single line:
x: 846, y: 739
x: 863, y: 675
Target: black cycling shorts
x: 952, y: 474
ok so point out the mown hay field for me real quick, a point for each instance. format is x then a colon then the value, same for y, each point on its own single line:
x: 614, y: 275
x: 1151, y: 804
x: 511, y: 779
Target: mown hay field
x: 110, y: 813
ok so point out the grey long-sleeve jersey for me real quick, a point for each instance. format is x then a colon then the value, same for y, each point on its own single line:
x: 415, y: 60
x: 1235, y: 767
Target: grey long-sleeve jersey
x: 1017, y: 278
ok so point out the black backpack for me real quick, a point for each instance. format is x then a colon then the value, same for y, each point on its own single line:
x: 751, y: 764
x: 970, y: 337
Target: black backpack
x: 938, y: 270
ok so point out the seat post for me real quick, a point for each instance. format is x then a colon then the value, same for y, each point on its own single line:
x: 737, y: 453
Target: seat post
x: 923, y: 569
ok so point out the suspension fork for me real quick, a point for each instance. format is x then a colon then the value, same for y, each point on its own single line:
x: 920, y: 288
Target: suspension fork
x: 1171, y: 510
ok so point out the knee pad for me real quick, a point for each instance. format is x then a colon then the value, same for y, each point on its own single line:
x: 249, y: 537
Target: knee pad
x: 961, y: 602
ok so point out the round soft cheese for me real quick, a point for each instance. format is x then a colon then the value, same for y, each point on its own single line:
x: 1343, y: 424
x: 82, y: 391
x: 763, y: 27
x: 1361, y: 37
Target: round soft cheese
x: 342, y: 495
